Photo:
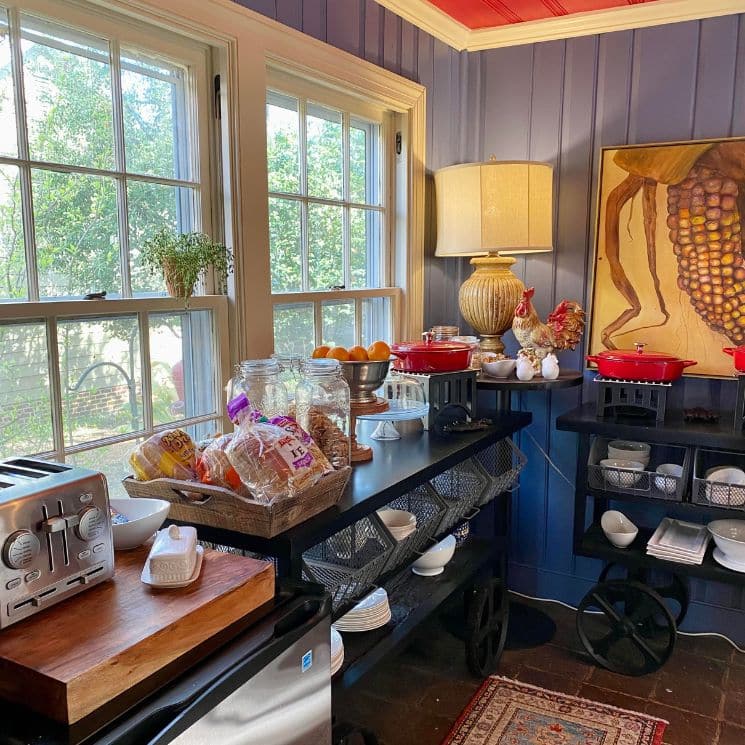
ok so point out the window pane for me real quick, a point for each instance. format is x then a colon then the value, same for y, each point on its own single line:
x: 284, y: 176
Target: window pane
x: 365, y: 248
x: 325, y: 247
x: 155, y: 117
x: 12, y: 247
x: 8, y: 142
x: 182, y: 365
x: 77, y: 234
x: 111, y: 460
x: 324, y: 145
x: 152, y: 207
x: 376, y: 320
x: 283, y: 143
x: 294, y: 329
x: 67, y: 83
x: 338, y: 323
x: 100, y: 376
x: 25, y: 403
x: 285, y: 245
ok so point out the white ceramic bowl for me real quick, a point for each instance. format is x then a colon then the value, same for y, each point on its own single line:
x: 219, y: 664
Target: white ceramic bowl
x: 628, y: 450
x: 499, y: 368
x: 397, y: 518
x: 432, y: 562
x: 618, y: 529
x: 145, y: 517
x: 665, y: 484
x: 726, y: 487
x: 621, y: 473
x: 729, y: 535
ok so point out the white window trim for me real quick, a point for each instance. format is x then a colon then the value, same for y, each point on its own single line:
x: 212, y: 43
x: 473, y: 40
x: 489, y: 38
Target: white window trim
x: 249, y: 42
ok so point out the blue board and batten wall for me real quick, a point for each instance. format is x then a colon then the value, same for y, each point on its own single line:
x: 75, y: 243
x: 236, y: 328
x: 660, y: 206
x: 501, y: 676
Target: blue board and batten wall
x: 558, y: 102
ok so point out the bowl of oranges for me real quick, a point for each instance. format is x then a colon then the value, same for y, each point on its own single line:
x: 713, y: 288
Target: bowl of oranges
x: 364, y: 369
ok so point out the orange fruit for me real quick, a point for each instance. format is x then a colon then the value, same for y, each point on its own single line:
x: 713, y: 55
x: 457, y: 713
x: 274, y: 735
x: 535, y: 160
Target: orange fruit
x: 321, y: 351
x: 338, y: 353
x: 379, y: 351
x: 358, y: 354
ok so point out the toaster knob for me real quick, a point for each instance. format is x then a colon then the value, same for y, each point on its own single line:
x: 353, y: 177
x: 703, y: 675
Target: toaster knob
x: 20, y: 550
x: 91, y: 523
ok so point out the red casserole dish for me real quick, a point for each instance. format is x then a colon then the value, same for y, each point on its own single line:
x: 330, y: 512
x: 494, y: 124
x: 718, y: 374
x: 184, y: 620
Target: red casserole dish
x: 629, y: 364
x: 738, y: 356
x: 431, y: 356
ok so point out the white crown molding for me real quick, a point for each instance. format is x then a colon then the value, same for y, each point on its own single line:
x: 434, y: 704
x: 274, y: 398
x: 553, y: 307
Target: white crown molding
x: 437, y: 23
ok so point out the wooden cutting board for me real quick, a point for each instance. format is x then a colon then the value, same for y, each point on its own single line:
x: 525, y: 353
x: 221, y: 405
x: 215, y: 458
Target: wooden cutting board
x: 77, y: 656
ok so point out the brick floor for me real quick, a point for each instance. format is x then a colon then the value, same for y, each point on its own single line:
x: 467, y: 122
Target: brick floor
x: 415, y: 697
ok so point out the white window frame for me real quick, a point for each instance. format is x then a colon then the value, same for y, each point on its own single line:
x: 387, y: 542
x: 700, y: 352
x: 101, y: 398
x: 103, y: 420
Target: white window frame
x: 139, y: 34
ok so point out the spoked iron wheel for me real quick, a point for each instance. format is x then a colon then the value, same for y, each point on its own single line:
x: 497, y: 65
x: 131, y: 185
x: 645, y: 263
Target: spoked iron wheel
x: 674, y: 589
x: 486, y: 627
x: 626, y: 627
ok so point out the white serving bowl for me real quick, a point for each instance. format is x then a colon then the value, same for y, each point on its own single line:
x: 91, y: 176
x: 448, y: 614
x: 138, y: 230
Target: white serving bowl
x: 432, y: 562
x: 145, y: 517
x: 622, y: 473
x: 665, y: 484
x: 499, y: 368
x: 397, y: 518
x: 729, y: 535
x: 727, y: 486
x: 629, y: 450
x: 618, y: 529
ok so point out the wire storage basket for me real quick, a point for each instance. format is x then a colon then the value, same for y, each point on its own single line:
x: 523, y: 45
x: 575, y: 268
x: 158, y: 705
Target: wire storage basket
x: 462, y: 488
x: 428, y: 508
x: 348, y: 562
x: 503, y: 461
x: 718, y: 479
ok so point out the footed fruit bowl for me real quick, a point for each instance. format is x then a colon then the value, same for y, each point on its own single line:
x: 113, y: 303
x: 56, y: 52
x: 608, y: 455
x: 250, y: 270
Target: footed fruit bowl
x: 364, y: 378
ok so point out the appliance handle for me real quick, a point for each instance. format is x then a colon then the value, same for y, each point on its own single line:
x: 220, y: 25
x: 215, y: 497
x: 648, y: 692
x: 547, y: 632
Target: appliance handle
x: 729, y: 350
x: 689, y: 363
x: 177, y: 709
x: 592, y: 358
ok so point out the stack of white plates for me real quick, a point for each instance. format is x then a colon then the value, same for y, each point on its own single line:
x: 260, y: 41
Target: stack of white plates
x: 400, y: 523
x: 675, y: 540
x: 337, y: 651
x: 370, y: 613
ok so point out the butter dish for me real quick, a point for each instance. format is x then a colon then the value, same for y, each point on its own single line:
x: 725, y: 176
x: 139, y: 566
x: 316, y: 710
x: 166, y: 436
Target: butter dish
x: 175, y: 559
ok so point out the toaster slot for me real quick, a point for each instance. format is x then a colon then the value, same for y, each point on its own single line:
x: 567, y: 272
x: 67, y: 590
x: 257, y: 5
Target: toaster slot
x: 21, y: 473
x: 37, y: 465
x: 50, y: 554
x: 65, y: 548
x: 5, y: 485
x: 25, y: 603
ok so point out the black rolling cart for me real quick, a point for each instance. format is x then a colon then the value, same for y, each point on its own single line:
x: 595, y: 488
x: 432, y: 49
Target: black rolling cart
x: 628, y: 621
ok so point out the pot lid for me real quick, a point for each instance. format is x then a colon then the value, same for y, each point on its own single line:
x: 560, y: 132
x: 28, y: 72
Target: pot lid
x: 637, y: 355
x: 430, y: 346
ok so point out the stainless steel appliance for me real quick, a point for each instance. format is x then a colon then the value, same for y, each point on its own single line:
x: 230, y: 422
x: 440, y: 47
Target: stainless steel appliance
x: 55, y: 533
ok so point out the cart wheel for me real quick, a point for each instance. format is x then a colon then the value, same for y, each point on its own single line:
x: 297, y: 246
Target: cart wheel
x: 626, y: 627
x: 486, y: 627
x: 676, y: 590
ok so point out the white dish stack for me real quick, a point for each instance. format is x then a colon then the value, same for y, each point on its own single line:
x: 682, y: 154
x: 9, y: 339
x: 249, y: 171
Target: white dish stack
x: 400, y: 523
x: 370, y: 613
x: 678, y: 541
x: 337, y: 651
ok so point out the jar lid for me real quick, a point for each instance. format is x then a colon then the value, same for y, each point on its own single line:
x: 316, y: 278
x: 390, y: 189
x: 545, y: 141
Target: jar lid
x: 260, y: 367
x: 320, y: 366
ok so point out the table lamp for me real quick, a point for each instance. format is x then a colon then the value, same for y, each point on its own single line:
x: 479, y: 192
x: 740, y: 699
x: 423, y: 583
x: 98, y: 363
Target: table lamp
x: 486, y: 210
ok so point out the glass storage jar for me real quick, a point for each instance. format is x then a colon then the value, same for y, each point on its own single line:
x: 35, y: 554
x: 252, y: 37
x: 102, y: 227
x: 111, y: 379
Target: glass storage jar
x: 322, y: 408
x: 260, y: 381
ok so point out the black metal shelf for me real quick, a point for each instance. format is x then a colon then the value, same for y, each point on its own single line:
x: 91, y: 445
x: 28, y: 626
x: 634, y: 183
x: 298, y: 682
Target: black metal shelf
x: 412, y: 599
x: 594, y: 544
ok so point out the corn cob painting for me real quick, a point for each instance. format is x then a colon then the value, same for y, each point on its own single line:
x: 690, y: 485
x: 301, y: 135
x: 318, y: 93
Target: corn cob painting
x: 669, y: 263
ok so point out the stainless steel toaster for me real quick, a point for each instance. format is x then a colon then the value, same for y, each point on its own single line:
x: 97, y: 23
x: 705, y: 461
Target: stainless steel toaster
x: 55, y: 533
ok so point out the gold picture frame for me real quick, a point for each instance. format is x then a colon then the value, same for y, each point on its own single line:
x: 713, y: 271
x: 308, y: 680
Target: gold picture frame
x: 669, y: 269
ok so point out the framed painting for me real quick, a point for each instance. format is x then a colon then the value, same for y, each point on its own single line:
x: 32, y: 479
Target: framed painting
x: 669, y: 267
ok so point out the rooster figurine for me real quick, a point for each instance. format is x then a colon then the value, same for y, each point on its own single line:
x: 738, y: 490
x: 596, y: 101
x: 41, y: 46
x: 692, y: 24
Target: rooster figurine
x: 563, y: 330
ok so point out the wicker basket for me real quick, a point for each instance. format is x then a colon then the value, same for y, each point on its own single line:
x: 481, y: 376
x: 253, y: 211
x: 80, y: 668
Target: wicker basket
x: 222, y: 508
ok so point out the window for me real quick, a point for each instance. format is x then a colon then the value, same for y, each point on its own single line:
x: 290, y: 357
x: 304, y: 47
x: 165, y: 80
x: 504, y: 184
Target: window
x: 104, y: 139
x: 330, y: 193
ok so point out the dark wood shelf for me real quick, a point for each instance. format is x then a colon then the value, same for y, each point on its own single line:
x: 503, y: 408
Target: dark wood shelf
x: 673, y: 431
x: 595, y: 545
x: 412, y: 599
x: 566, y: 379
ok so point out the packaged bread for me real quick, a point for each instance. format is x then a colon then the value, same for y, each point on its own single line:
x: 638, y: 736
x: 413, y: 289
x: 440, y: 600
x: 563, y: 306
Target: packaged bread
x: 167, y: 454
x: 214, y: 467
x: 290, y: 425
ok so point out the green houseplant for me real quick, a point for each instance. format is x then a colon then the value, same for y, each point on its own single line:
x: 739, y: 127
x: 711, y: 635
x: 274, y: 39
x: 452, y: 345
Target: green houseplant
x: 182, y: 257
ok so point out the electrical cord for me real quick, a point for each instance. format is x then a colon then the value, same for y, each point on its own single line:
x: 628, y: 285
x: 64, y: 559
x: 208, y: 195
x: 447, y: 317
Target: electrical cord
x: 548, y: 458
x: 682, y: 633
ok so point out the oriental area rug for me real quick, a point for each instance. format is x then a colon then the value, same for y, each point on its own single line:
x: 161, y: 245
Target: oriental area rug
x: 505, y: 712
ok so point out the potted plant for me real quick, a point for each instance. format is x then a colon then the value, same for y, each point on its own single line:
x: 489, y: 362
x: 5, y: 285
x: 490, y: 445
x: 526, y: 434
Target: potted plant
x: 182, y: 257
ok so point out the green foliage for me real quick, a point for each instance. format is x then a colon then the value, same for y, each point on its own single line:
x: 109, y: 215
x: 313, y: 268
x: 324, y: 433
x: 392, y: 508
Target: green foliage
x: 182, y: 257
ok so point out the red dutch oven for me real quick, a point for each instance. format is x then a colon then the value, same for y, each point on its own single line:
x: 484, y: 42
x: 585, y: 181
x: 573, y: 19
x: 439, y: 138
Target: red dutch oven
x: 629, y: 364
x: 431, y: 356
x: 738, y: 355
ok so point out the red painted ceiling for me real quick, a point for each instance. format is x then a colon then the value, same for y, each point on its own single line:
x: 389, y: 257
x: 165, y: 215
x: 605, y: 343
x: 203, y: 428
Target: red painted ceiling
x: 489, y: 13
